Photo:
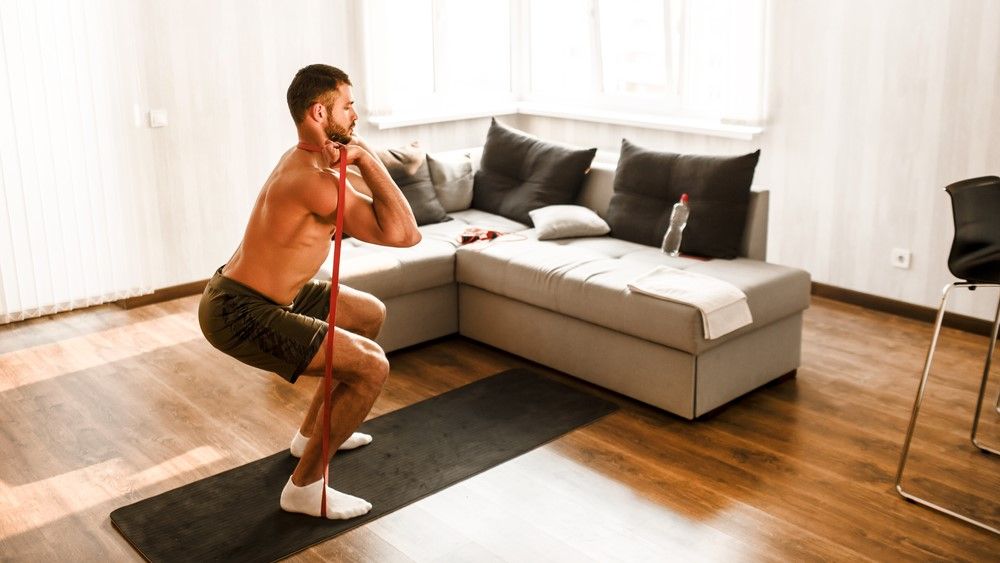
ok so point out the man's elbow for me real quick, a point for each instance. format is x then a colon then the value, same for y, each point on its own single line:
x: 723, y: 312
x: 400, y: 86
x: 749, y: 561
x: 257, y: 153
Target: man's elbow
x: 409, y: 239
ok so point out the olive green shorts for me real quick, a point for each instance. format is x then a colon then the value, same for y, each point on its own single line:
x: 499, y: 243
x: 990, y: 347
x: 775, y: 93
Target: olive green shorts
x: 255, y: 330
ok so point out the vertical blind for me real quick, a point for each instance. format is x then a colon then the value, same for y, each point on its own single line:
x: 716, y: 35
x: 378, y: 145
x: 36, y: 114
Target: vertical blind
x: 71, y: 156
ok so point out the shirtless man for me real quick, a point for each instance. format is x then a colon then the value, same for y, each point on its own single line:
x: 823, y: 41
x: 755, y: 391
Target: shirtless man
x: 263, y: 307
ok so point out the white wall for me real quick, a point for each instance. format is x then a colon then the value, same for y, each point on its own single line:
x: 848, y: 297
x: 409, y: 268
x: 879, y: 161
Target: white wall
x: 875, y: 106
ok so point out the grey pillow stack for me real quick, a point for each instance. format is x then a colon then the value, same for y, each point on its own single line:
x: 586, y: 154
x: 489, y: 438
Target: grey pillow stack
x: 519, y: 173
x: 452, y: 179
x: 408, y: 168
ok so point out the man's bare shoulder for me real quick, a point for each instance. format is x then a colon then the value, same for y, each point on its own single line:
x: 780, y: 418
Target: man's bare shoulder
x: 291, y: 177
x: 313, y: 187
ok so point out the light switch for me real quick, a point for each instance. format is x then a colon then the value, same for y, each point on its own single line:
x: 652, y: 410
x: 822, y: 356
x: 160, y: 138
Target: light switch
x: 157, y: 118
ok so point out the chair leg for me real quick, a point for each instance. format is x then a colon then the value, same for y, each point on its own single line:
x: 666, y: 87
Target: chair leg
x: 913, y: 423
x: 982, y: 386
x: 920, y: 389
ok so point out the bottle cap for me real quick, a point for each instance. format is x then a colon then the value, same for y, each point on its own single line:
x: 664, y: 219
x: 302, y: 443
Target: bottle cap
x: 684, y: 198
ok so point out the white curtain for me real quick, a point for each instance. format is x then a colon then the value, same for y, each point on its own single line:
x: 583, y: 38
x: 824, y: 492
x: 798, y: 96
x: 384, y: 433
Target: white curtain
x: 73, y: 158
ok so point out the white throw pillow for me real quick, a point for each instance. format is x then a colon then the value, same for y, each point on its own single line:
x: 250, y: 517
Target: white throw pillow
x: 565, y: 221
x: 452, y: 178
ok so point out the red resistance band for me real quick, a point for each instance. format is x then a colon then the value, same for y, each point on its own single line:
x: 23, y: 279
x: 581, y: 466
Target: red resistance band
x: 332, y: 316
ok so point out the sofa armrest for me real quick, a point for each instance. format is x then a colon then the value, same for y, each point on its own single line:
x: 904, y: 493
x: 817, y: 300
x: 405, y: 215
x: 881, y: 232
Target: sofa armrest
x: 755, y: 233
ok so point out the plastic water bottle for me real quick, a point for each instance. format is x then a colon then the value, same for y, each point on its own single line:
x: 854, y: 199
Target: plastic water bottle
x: 678, y: 220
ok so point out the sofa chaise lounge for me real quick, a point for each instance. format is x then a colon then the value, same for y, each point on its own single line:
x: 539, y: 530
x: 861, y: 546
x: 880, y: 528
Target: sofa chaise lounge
x: 565, y: 303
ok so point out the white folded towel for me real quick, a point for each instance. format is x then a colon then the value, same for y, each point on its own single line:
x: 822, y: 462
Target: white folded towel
x: 723, y: 306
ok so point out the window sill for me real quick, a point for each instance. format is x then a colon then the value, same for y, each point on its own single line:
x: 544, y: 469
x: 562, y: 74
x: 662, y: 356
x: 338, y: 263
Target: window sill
x: 697, y: 126
x: 708, y: 127
x: 411, y: 119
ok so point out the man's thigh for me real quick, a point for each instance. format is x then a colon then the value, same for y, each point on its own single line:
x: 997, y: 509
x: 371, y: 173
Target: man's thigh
x: 354, y: 307
x: 352, y: 357
x: 259, y: 333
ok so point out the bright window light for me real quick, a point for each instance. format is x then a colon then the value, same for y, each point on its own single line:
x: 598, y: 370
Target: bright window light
x: 700, y: 59
x: 472, y: 47
x: 682, y: 58
x: 562, y: 47
x: 400, y: 41
x: 633, y: 40
x: 437, y: 54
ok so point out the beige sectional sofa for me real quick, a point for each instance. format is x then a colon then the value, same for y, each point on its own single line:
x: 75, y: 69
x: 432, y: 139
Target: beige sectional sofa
x: 565, y: 304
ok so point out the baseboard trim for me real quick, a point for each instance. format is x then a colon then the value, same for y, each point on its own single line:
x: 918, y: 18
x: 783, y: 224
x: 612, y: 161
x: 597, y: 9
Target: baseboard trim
x: 866, y: 300
x: 901, y: 308
x: 163, y: 294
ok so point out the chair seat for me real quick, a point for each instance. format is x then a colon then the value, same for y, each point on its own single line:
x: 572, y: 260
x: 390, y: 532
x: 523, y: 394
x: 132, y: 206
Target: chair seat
x: 975, y: 250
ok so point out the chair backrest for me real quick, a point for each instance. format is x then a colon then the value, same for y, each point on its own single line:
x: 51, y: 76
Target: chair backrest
x: 975, y: 251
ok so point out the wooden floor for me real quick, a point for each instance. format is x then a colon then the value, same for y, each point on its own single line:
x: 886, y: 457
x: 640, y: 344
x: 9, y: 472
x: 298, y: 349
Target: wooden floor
x: 103, y: 407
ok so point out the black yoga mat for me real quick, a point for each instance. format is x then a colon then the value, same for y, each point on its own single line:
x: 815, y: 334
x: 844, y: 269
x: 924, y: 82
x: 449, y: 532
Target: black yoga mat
x: 417, y: 450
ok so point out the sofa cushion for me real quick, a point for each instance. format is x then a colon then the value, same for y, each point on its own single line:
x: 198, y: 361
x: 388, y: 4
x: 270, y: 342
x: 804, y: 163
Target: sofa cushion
x: 519, y: 172
x: 587, y: 279
x: 387, y: 272
x: 452, y: 179
x: 567, y: 221
x: 648, y: 184
x: 408, y: 167
x: 487, y: 220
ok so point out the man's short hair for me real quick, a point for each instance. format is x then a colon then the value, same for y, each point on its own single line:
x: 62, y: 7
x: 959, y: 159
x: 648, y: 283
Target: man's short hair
x: 314, y: 83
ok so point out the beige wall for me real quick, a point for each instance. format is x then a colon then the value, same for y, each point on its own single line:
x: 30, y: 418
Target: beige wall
x: 875, y: 106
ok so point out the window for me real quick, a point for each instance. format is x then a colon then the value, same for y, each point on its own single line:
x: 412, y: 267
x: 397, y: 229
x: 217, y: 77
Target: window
x: 427, y: 55
x: 688, y: 58
x: 645, y: 60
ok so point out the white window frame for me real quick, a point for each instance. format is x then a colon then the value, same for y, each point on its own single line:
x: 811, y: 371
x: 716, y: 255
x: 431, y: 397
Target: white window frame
x: 442, y: 107
x: 633, y: 111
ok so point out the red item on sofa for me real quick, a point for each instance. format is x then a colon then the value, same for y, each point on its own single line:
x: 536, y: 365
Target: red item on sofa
x: 472, y: 234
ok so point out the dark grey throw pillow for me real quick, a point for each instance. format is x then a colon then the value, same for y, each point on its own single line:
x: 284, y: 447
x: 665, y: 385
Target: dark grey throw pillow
x: 649, y: 183
x: 519, y: 173
x: 408, y: 168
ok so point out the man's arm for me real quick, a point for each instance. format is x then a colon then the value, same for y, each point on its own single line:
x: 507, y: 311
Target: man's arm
x: 353, y: 176
x: 385, y: 218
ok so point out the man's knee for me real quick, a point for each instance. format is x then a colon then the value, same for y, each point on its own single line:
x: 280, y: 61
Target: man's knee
x: 358, y: 361
x: 375, y: 317
x: 374, y: 366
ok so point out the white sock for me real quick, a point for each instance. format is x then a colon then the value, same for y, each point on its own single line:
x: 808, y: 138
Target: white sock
x: 307, y: 499
x: 355, y: 440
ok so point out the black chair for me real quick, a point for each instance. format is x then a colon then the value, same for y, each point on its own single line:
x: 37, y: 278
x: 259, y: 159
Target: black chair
x: 975, y: 260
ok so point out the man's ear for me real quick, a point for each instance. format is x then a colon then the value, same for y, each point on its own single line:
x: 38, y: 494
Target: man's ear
x: 317, y: 112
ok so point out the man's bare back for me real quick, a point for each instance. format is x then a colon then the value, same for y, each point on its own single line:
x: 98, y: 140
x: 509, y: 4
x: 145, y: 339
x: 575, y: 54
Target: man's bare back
x: 285, y: 243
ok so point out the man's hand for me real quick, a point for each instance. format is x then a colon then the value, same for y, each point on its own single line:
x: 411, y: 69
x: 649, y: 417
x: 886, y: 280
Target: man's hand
x: 355, y: 153
x: 383, y: 218
x: 358, y: 141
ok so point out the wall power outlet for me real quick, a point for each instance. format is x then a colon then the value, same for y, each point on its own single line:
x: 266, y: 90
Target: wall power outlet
x: 900, y: 258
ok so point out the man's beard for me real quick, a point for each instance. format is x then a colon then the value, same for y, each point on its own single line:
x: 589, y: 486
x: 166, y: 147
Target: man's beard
x: 337, y: 133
